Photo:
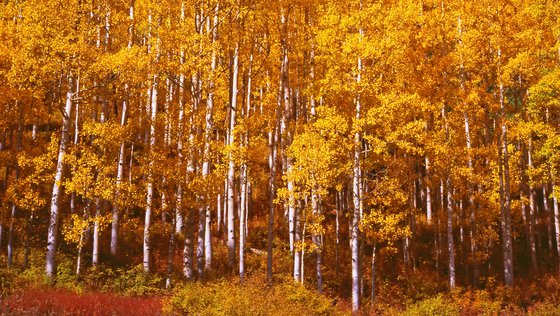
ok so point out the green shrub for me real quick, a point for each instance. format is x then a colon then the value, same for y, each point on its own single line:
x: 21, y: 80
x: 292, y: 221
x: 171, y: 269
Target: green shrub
x: 133, y: 282
x: 435, y: 306
x: 66, y: 275
x: 253, y: 297
x: 8, y: 279
x: 544, y: 309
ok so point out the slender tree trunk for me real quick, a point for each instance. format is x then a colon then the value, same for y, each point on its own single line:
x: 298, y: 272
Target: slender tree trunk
x: 150, y: 185
x: 225, y: 204
x: 549, y: 217
x: 98, y: 204
x: 200, y: 260
x: 120, y: 174
x: 120, y: 165
x: 272, y: 140
x: 27, y: 240
x: 96, y: 229
x: 298, y: 251
x: 231, y: 169
x: 532, y: 211
x: 56, y: 191
x: 471, y: 206
x: 179, y: 224
x: 188, y: 248
x: 79, y: 256
x: 450, y: 240
x: 557, y: 227
x: 406, y: 255
x: 354, y: 229
x: 373, y: 272
x: 200, y: 244
x: 14, y: 207
x: 242, y: 204
x: 318, y: 244
x: 337, y: 232
x: 428, y: 192
x: 506, y: 204
x: 301, y: 238
x: 170, y: 253
x: 207, y: 136
x: 151, y: 107
x: 5, y: 180
x: 219, y: 214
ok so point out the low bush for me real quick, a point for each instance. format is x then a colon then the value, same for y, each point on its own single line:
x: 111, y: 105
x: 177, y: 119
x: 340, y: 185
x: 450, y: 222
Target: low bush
x: 58, y: 301
x: 253, y: 297
x: 544, y: 309
x: 134, y: 282
x: 435, y: 306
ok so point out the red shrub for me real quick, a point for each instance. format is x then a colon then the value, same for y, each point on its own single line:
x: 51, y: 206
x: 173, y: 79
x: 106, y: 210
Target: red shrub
x: 45, y: 301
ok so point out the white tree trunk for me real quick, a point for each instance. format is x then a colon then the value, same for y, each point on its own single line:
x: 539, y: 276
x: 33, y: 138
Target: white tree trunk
x: 188, y: 249
x: 557, y: 226
x: 150, y: 184
x: 231, y: 167
x: 170, y: 253
x: 14, y: 207
x: 549, y: 216
x: 507, y: 244
x: 243, y: 205
x: 55, y: 198
x: 532, y: 211
x: 298, y: 240
x: 207, y: 136
x: 272, y: 140
x: 356, y: 199
x: 315, y: 207
x: 428, y: 193
x: 95, y: 248
x: 120, y: 174
x: 450, y: 240
x: 373, y: 273
x: 242, y: 213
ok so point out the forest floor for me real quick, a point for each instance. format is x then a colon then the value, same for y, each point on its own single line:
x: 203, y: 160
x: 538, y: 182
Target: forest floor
x: 121, y: 288
x: 226, y: 296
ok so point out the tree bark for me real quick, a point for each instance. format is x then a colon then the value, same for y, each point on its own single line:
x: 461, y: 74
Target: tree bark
x: 170, y: 253
x: 557, y: 227
x: 56, y: 191
x: 14, y: 207
x: 231, y: 168
x: 188, y: 247
x: 532, y: 210
x: 315, y: 207
x: 300, y: 242
x: 242, y: 213
x: 356, y: 199
x: 450, y: 240
x: 120, y: 165
x: 549, y: 217
x: 272, y: 140
x: 373, y: 272
x: 150, y: 184
x: 96, y: 229
x: 507, y: 244
x: 207, y: 136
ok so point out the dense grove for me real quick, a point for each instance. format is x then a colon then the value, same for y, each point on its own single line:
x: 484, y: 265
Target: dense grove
x: 369, y: 150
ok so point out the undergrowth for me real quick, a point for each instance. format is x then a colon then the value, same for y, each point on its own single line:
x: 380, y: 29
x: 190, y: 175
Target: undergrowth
x: 254, y: 297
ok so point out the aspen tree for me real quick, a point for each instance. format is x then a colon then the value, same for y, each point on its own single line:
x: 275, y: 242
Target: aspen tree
x: 52, y: 237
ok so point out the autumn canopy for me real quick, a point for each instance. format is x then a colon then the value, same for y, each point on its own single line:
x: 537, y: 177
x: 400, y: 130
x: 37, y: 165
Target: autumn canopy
x: 344, y: 141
